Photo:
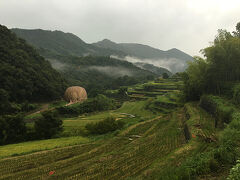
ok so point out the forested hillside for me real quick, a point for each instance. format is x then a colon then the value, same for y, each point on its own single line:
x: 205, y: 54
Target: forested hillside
x: 60, y: 43
x: 99, y: 73
x: 173, y: 59
x: 156, y: 70
x: 24, y: 74
x: 50, y: 43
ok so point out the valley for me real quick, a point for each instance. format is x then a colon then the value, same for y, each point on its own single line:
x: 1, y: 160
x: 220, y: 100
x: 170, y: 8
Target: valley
x: 106, y: 110
x: 152, y: 142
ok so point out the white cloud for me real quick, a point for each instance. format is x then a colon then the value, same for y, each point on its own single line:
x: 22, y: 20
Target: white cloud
x: 188, y: 25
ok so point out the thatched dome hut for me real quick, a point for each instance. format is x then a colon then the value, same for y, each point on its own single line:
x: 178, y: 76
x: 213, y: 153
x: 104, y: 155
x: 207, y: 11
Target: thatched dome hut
x: 75, y: 94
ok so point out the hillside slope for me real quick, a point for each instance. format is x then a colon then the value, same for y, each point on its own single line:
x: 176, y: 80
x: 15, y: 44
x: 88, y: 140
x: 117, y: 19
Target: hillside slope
x: 24, y: 74
x: 147, y: 54
x: 152, y: 68
x: 60, y: 43
x: 68, y: 44
x: 99, y: 72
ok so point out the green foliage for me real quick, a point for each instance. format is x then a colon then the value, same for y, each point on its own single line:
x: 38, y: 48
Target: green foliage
x: 97, y: 74
x: 165, y: 76
x: 156, y: 70
x: 235, y: 172
x: 99, y: 103
x: 218, y: 107
x: 194, y: 79
x: 228, y: 151
x: 12, y: 129
x: 60, y: 43
x: 102, y: 127
x: 24, y: 74
x: 48, y: 126
x: 220, y: 67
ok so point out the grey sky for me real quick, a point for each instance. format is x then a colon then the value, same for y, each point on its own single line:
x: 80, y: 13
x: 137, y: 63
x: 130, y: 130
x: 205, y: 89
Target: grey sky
x: 188, y: 25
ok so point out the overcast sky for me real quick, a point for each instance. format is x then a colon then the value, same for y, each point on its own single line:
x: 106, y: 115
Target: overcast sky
x: 188, y: 25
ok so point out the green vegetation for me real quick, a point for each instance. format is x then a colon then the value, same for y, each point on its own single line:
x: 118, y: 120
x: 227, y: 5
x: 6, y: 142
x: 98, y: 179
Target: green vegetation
x: 132, y: 148
x: 60, y: 43
x: 235, y: 172
x: 99, y: 103
x: 98, y: 74
x: 107, y: 125
x: 218, y: 74
x: 41, y: 145
x: 12, y: 129
x: 48, y: 126
x: 215, y: 73
x: 155, y: 69
x: 24, y: 75
x: 144, y: 131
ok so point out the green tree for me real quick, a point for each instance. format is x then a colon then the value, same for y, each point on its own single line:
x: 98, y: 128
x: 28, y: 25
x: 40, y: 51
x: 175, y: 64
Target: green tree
x: 194, y: 79
x: 213, y: 74
x: 237, y: 32
x: 165, y: 76
x: 12, y: 129
x: 48, y: 126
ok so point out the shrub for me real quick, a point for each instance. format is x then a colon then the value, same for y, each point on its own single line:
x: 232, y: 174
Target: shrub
x: 12, y: 129
x: 48, y: 126
x: 107, y: 125
x: 228, y: 151
x: 207, y: 103
x: 99, y: 103
x: 235, y: 172
x: 218, y: 107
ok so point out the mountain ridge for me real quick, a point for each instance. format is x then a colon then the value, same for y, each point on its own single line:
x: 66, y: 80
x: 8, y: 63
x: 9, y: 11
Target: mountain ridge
x: 67, y: 44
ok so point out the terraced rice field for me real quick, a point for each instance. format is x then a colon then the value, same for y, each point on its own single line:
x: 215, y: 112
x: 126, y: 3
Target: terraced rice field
x: 127, y: 154
x: 149, y: 139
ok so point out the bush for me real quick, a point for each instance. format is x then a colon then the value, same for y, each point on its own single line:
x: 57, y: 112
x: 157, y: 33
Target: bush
x: 12, y: 129
x: 228, y: 151
x: 107, y: 125
x: 235, y: 172
x: 218, y: 107
x: 99, y: 103
x: 48, y: 126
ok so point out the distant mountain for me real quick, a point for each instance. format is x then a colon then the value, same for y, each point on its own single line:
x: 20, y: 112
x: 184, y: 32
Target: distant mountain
x: 60, y: 43
x: 49, y: 43
x: 84, y: 64
x: 24, y: 74
x: 156, y: 70
x: 173, y: 59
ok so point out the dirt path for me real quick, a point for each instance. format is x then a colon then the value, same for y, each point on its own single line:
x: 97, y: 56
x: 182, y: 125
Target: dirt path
x: 43, y: 108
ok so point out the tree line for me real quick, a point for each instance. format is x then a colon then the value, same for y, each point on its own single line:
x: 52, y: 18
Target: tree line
x: 218, y: 71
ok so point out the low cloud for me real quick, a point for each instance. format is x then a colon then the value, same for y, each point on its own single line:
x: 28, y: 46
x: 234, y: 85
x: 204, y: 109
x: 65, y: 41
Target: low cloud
x: 172, y: 64
x: 57, y: 65
x: 112, y: 71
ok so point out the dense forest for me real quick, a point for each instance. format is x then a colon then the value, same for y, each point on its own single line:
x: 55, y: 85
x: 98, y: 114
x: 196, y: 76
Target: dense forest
x: 60, y: 43
x: 24, y: 74
x: 219, y: 71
